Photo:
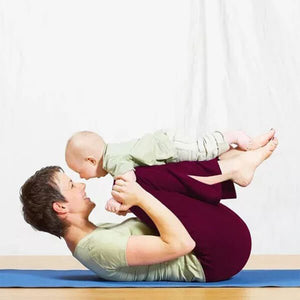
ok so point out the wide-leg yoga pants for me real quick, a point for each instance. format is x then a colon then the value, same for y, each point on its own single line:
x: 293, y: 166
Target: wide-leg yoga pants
x: 223, y: 241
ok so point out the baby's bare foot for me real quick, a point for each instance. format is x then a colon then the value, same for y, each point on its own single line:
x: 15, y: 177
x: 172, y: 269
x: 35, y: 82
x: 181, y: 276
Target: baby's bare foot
x: 261, y: 140
x: 250, y: 160
x: 257, y: 142
x: 238, y: 137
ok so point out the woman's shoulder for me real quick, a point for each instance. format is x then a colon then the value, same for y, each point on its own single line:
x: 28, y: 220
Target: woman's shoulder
x: 105, y: 247
x: 106, y: 232
x: 108, y: 225
x: 130, y: 226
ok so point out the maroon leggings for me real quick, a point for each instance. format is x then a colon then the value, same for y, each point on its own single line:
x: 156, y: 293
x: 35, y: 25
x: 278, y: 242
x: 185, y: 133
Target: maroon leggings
x: 223, y: 241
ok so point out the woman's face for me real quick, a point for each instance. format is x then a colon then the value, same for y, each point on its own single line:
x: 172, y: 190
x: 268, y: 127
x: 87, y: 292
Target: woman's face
x: 75, y: 195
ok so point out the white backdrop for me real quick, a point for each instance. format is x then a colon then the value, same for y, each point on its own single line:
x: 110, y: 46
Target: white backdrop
x: 124, y: 68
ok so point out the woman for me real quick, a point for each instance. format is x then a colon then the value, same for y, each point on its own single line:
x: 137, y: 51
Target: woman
x: 186, y: 233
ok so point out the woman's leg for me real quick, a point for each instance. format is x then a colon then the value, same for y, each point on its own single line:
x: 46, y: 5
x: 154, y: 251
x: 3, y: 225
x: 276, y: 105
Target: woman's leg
x: 240, y: 168
x: 173, y: 177
x: 223, y: 241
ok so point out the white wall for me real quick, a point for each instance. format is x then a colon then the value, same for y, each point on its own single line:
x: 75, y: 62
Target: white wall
x: 123, y: 68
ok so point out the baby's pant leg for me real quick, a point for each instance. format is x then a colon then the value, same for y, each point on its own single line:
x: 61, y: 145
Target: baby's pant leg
x: 198, y: 149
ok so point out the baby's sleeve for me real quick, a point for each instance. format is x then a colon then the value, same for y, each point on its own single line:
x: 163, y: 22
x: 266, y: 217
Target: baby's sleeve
x: 153, y: 149
x: 118, y: 165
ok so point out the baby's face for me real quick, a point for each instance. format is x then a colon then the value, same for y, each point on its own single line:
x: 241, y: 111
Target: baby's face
x: 84, y: 168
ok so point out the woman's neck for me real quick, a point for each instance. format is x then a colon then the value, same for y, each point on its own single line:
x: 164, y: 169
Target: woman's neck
x: 78, y: 230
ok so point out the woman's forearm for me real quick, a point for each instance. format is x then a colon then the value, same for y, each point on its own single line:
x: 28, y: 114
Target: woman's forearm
x: 169, y: 226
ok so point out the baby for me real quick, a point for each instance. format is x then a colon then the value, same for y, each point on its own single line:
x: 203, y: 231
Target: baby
x: 88, y: 155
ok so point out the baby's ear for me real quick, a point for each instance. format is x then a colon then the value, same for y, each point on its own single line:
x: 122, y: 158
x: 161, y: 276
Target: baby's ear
x: 92, y: 160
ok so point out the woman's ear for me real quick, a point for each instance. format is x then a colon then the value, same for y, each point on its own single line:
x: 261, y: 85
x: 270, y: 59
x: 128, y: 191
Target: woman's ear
x: 59, y: 208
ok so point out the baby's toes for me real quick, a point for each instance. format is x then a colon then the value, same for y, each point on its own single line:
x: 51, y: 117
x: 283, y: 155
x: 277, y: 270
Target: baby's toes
x: 245, y: 142
x: 249, y: 145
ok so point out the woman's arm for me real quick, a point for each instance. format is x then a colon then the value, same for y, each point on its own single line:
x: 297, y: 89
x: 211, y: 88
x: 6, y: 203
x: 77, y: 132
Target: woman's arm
x: 174, y: 239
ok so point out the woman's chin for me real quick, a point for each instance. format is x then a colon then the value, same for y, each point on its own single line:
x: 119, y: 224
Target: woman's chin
x: 90, y: 203
x: 90, y: 208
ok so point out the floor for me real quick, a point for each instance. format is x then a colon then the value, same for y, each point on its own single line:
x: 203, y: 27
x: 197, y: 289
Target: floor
x: 68, y: 262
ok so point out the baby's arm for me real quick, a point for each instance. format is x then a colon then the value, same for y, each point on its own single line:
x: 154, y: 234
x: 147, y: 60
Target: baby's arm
x: 130, y: 176
x: 117, y: 165
x: 113, y: 205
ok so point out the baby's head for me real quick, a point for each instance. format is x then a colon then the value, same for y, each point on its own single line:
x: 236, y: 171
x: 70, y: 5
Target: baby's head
x: 84, y: 154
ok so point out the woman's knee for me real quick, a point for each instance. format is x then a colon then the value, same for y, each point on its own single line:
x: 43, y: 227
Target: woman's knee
x: 231, y: 257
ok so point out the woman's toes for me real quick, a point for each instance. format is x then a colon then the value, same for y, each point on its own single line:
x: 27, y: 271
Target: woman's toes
x: 261, y: 140
x: 273, y: 143
x: 268, y: 136
x: 270, y: 147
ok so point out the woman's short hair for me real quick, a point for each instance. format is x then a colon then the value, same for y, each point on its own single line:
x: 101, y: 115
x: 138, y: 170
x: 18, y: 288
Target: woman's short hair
x: 37, y: 195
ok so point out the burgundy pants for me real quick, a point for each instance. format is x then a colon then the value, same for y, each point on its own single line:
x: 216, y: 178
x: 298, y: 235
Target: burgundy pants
x: 223, y: 241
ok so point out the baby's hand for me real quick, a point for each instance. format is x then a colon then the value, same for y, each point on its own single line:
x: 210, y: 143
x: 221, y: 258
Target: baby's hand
x: 129, y: 176
x: 129, y: 193
x: 112, y: 205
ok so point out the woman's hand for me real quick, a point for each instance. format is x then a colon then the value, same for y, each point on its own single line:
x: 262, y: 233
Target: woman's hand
x: 123, y: 212
x: 129, y: 193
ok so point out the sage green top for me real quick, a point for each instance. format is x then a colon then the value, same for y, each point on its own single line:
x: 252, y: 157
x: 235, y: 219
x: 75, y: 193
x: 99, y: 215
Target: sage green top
x: 104, y: 252
x: 160, y: 147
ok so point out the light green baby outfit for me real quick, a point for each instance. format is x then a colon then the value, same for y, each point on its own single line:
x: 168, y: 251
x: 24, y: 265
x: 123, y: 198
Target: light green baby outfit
x: 160, y: 147
x: 104, y: 252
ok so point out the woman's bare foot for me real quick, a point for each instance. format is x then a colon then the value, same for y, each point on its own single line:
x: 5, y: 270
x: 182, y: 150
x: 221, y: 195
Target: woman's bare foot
x: 232, y: 152
x: 248, y: 161
x: 261, y: 140
x: 241, y: 167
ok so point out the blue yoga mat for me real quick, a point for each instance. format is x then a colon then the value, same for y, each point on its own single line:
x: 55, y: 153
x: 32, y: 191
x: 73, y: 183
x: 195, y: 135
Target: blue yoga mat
x: 87, y: 279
